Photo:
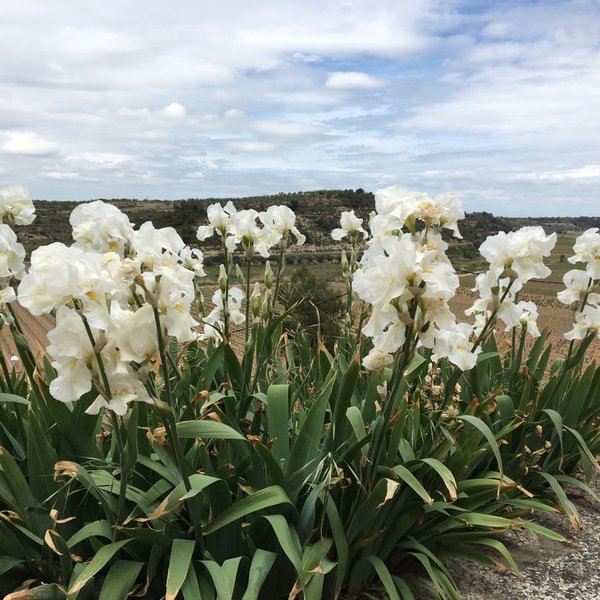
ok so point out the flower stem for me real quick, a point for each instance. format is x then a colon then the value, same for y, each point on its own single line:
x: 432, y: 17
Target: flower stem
x: 383, y: 423
x: 491, y: 320
x: 247, y: 299
x: 6, y: 373
x: 352, y: 269
x: 171, y: 427
x: 115, y: 422
x: 226, y: 294
x: 260, y: 364
x: 280, y: 267
x: 456, y: 373
x: 105, y: 382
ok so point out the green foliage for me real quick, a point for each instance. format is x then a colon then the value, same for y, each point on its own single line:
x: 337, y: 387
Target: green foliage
x: 278, y: 497
x: 557, y: 415
x: 284, y: 469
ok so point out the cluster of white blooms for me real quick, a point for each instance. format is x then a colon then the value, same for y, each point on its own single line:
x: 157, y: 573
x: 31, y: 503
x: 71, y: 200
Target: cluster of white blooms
x: 77, y: 368
x: 101, y: 227
x: 111, y: 286
x: 587, y: 250
x: 242, y: 228
x: 220, y: 222
x: 115, y: 285
x: 408, y: 280
x: 16, y: 208
x: 582, y: 288
x: 350, y: 226
x: 279, y: 222
x: 213, y: 322
x: 255, y: 232
x: 397, y: 208
x: 522, y: 251
x: 514, y: 258
x: 454, y: 343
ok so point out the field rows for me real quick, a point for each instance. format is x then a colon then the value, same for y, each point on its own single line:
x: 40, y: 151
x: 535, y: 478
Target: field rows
x: 553, y: 315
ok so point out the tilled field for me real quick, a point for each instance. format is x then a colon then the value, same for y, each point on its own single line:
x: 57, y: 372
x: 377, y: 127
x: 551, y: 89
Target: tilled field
x: 553, y: 315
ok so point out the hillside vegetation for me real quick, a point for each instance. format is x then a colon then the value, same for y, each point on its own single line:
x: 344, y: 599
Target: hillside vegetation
x: 317, y: 213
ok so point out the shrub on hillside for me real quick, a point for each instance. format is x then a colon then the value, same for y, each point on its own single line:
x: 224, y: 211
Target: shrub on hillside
x: 317, y: 307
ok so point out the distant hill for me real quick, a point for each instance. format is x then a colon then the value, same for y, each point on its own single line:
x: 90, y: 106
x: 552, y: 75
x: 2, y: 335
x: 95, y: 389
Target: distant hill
x: 567, y: 225
x: 317, y: 214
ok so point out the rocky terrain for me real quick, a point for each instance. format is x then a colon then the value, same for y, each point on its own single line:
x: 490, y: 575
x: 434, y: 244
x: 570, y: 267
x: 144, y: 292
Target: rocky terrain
x: 550, y: 570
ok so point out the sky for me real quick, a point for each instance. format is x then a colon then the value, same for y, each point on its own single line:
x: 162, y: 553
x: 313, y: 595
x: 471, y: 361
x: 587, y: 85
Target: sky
x: 496, y: 101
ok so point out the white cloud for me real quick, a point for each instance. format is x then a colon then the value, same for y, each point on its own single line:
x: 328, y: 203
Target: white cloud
x: 195, y: 175
x: 86, y: 42
x: 174, y: 111
x: 286, y: 129
x: 250, y: 146
x: 191, y: 98
x: 142, y: 112
x: 588, y: 174
x: 65, y: 175
x: 188, y: 72
x: 233, y: 113
x: 28, y: 143
x: 100, y: 159
x: 352, y: 80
